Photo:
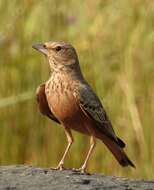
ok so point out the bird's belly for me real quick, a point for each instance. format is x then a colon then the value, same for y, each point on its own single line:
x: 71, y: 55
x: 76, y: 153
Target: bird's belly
x: 66, y: 110
x: 63, y: 106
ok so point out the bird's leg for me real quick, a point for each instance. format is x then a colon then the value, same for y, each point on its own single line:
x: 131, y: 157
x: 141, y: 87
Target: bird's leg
x: 70, y: 141
x: 92, y: 146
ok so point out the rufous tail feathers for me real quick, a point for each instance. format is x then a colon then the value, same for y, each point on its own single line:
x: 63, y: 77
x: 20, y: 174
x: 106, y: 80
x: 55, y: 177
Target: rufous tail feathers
x: 117, y: 151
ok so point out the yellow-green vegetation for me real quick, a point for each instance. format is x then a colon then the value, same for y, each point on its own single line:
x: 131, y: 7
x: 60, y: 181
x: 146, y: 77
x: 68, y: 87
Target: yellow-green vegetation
x: 115, y: 43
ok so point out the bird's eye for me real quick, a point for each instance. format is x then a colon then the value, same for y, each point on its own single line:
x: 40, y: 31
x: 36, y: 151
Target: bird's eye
x: 44, y: 46
x: 58, y: 48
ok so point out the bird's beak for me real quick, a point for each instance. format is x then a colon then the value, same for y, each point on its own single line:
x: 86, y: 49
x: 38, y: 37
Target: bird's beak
x: 41, y: 48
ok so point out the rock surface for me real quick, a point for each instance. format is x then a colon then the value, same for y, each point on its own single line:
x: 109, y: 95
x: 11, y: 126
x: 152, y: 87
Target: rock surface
x: 30, y: 178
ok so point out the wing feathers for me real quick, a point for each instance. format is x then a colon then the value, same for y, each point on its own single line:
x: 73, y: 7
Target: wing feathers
x: 90, y: 103
x: 43, y: 104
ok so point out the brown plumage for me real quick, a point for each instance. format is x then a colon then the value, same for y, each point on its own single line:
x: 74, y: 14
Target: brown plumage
x: 43, y: 104
x: 69, y: 100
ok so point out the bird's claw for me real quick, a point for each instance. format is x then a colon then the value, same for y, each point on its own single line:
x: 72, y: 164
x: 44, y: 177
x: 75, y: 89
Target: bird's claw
x: 59, y: 167
x: 81, y: 170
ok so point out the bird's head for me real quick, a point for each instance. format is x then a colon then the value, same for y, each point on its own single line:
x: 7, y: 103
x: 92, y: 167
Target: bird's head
x: 60, y: 54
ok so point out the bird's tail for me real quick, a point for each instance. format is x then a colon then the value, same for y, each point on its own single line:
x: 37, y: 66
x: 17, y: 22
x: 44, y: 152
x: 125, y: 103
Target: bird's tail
x: 117, y: 151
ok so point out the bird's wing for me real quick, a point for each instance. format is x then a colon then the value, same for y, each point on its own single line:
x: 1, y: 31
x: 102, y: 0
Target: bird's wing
x: 43, y: 104
x: 91, y: 106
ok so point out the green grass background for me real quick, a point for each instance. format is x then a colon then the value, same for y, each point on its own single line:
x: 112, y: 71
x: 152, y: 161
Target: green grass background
x: 115, y: 43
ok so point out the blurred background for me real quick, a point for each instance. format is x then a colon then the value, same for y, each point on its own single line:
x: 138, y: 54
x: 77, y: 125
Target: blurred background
x: 115, y: 43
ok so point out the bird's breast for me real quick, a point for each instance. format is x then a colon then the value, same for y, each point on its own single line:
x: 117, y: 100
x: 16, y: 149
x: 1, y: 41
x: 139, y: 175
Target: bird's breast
x: 61, y: 100
x: 64, y: 106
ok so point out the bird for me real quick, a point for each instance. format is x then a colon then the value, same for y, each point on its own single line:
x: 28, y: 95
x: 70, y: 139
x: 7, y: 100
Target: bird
x: 68, y: 99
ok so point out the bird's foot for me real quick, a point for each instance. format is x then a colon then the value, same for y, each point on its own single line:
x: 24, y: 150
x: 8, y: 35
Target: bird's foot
x: 59, y: 167
x: 81, y: 170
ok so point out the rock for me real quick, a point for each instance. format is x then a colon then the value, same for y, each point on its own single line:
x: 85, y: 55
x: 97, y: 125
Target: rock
x: 31, y: 178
